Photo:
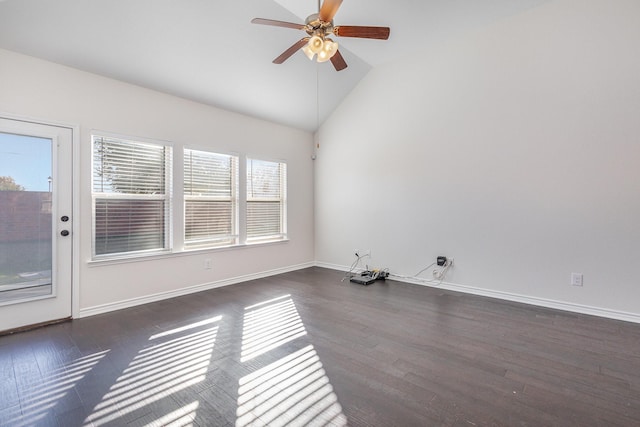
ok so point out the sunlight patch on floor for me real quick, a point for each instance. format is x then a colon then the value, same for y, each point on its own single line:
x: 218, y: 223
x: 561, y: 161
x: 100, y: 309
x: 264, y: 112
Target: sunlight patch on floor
x: 181, y: 417
x: 175, y: 360
x: 269, y: 325
x: 292, y: 391
x: 36, y: 403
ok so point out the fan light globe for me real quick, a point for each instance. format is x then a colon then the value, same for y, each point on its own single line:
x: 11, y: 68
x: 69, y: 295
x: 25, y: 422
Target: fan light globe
x: 328, y: 50
x: 330, y: 47
x: 315, y: 44
x: 323, y: 56
x: 307, y: 51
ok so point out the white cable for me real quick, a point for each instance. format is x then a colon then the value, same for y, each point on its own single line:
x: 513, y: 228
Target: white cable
x: 349, y: 274
x: 439, y: 274
x: 428, y: 266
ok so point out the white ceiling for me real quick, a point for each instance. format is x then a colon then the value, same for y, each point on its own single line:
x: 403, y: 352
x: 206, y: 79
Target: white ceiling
x: 208, y: 51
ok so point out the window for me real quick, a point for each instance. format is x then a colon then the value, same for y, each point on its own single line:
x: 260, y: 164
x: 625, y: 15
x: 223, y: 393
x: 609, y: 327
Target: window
x: 131, y: 197
x: 266, y: 200
x: 210, y: 199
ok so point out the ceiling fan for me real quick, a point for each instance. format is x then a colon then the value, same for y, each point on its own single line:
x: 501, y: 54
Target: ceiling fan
x: 319, y: 26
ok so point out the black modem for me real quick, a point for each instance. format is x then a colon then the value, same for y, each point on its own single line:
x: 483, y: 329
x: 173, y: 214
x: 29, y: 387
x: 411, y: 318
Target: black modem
x: 362, y: 280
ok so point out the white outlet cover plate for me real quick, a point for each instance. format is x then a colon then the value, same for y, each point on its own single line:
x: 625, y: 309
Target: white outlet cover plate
x: 576, y: 279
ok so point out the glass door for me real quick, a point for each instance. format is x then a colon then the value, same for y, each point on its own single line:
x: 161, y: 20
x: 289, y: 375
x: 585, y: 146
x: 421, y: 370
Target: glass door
x: 35, y: 223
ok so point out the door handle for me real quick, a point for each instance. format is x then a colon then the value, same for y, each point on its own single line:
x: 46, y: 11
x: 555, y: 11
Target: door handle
x: 64, y: 233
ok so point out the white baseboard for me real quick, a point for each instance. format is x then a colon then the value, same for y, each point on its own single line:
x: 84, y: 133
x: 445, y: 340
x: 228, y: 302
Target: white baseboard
x: 507, y: 296
x: 105, y: 308
x: 542, y: 302
x: 332, y: 266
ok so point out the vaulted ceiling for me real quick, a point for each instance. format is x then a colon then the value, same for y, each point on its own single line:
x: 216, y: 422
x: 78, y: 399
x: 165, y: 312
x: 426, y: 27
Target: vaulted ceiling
x: 208, y: 50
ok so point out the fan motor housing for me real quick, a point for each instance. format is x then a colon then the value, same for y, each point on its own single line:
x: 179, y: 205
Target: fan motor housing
x: 315, y: 27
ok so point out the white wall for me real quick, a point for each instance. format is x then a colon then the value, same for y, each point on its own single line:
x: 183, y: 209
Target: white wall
x: 515, y: 150
x: 42, y: 90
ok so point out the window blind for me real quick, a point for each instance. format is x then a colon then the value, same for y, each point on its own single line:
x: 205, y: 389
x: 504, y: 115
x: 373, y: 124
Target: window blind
x: 266, y: 200
x: 130, y: 196
x: 210, y: 197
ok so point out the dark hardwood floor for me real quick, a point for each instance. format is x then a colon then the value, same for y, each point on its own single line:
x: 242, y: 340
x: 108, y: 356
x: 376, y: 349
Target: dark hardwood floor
x: 304, y: 348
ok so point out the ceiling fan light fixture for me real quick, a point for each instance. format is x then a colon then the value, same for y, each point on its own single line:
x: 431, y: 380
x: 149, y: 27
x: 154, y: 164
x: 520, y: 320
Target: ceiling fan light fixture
x: 328, y: 50
x: 307, y: 51
x: 323, y: 56
x: 315, y: 44
x: 330, y: 46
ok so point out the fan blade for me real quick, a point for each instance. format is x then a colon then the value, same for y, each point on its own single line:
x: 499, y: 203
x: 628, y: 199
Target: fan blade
x: 275, y: 23
x: 338, y: 61
x: 381, y: 33
x: 287, y: 53
x: 329, y: 9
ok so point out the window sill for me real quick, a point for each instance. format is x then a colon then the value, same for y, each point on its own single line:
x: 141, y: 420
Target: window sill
x: 185, y: 252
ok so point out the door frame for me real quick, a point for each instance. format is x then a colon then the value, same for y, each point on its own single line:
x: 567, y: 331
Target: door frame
x: 75, y: 207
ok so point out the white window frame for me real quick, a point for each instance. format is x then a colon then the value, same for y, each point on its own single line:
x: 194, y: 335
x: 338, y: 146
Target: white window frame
x: 230, y: 239
x: 282, y: 199
x: 166, y: 197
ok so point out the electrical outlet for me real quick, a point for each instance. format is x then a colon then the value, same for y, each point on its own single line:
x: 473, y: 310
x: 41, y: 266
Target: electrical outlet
x: 576, y: 279
x: 207, y: 263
